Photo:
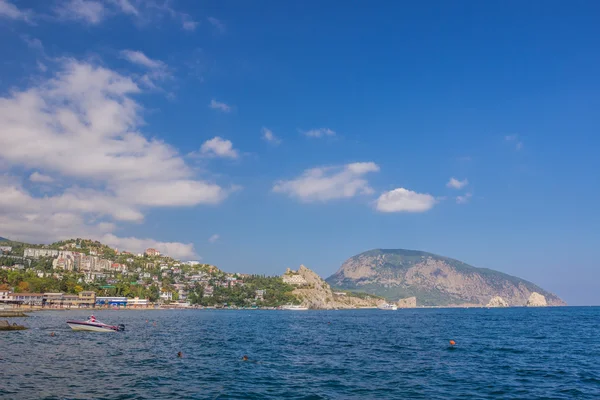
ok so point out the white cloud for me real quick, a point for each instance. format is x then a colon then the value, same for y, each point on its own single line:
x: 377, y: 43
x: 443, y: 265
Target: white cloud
x: 219, y: 26
x: 318, y: 133
x: 175, y: 193
x: 329, y: 183
x: 88, y: 11
x: 10, y: 11
x: 137, y: 57
x: 219, y: 147
x: 214, y: 238
x: 126, y: 7
x: 190, y: 25
x: 158, y: 70
x: 463, y: 199
x: 33, y: 43
x: 270, y: 137
x: 41, y: 178
x: 216, y: 105
x: 82, y: 125
x: 515, y: 140
x: 454, y: 183
x: 142, y: 12
x: 183, y: 251
x: 404, y: 200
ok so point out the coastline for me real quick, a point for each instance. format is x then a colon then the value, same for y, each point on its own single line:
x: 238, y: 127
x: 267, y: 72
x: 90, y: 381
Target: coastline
x: 22, y: 312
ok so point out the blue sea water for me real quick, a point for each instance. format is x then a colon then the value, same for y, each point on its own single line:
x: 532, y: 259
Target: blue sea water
x: 517, y: 353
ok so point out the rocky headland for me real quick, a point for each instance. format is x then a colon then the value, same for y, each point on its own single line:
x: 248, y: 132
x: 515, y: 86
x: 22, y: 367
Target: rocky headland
x: 434, y: 280
x: 316, y: 294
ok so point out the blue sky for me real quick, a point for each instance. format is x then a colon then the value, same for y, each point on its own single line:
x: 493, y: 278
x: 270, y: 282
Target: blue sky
x: 263, y: 135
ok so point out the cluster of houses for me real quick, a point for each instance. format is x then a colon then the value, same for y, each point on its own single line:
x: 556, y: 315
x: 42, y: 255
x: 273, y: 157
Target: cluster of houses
x: 94, y: 268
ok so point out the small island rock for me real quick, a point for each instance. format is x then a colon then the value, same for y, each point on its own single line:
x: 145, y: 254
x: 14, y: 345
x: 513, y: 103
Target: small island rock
x: 536, y: 300
x: 409, y: 302
x: 497, y: 301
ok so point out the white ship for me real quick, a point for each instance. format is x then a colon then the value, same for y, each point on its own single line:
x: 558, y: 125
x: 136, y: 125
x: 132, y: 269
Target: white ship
x: 291, y: 307
x: 387, y: 306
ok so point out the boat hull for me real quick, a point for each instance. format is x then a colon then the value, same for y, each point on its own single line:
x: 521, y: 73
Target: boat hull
x: 91, y: 327
x: 388, y: 307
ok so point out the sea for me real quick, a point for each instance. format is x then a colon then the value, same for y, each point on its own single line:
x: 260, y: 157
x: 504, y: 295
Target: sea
x: 513, y: 353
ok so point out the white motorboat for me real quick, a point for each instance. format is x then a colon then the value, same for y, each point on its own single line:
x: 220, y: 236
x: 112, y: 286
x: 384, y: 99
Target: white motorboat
x: 93, y: 325
x: 292, y: 307
x: 388, y: 307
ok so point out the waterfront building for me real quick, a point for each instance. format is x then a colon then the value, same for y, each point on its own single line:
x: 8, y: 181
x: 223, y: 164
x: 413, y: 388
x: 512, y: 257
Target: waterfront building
x: 111, y: 301
x: 137, y: 303
x: 31, y: 299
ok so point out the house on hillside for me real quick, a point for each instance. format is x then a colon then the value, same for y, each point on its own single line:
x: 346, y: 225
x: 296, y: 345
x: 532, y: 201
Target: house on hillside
x: 152, y: 252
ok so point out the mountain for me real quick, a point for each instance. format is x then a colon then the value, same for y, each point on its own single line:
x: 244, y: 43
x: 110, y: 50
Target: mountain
x: 3, y: 239
x: 434, y: 280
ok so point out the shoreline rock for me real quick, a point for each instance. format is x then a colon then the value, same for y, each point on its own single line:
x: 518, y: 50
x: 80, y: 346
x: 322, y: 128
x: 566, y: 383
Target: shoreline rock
x: 6, y: 326
x: 497, y: 301
x: 536, y: 300
x: 409, y: 302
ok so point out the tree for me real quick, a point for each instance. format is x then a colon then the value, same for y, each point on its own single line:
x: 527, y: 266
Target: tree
x: 23, y: 287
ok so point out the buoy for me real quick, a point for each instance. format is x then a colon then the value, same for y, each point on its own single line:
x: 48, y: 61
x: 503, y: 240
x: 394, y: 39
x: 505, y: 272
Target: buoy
x: 452, y: 343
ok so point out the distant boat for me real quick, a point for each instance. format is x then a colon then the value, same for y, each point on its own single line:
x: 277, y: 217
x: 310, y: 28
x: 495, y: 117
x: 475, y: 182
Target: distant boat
x: 93, y: 325
x: 388, y: 307
x: 291, y: 307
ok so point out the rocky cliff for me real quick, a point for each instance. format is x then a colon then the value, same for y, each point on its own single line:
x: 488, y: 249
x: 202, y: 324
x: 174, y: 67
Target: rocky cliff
x: 316, y: 294
x: 536, y: 300
x: 434, y: 280
x: 409, y: 302
x: 497, y: 302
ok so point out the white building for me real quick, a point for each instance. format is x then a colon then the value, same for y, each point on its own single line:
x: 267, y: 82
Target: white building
x: 166, y: 296
x: 37, y: 253
x: 4, y: 294
x: 137, y: 302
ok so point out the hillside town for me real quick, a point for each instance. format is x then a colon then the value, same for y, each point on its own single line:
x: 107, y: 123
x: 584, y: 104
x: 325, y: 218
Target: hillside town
x: 85, y: 273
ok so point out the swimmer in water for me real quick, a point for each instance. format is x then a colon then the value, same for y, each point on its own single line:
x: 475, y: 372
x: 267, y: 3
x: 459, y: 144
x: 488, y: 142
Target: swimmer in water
x: 245, y: 358
x: 180, y: 355
x: 52, y: 334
